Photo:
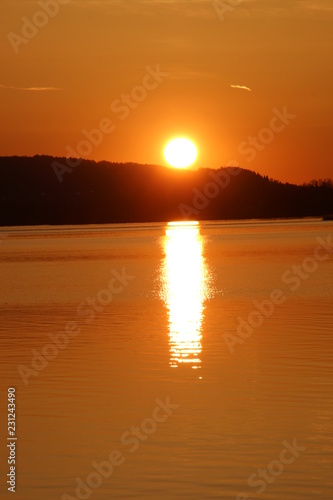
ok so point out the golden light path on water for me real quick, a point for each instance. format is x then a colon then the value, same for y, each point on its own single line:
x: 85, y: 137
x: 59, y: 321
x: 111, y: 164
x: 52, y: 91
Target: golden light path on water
x: 184, y: 290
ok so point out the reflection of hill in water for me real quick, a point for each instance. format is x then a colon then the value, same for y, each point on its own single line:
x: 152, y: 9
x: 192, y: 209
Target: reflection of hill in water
x: 31, y: 193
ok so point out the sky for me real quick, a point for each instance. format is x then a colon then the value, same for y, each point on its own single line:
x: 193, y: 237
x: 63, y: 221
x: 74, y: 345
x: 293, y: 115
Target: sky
x: 249, y: 81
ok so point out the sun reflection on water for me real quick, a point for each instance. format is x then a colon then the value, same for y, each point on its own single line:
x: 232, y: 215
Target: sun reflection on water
x: 184, y: 289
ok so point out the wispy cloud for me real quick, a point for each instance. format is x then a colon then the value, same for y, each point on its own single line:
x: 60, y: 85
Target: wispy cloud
x: 325, y: 6
x: 284, y: 7
x: 31, y: 89
x: 189, y: 8
x: 241, y: 87
x: 204, y: 8
x: 199, y: 8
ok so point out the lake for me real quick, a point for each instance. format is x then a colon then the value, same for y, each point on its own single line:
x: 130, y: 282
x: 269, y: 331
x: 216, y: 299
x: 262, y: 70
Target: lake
x: 169, y: 361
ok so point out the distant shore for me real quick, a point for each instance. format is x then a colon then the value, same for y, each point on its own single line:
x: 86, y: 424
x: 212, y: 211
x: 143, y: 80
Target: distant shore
x: 43, y: 190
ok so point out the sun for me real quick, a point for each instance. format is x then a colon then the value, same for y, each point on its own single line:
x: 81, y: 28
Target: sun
x: 180, y: 152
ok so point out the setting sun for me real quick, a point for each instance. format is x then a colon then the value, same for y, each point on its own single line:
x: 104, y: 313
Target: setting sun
x: 180, y: 153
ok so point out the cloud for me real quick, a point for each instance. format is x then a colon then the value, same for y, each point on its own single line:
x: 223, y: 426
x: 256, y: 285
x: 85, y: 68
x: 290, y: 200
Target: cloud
x: 189, y: 8
x: 321, y: 6
x: 200, y: 8
x: 286, y: 7
x: 205, y: 8
x: 241, y: 87
x: 33, y: 89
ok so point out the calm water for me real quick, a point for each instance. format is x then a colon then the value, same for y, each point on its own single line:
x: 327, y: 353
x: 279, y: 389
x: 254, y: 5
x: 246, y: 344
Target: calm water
x: 153, y: 312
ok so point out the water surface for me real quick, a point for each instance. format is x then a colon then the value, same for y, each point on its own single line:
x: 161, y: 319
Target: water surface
x: 153, y: 311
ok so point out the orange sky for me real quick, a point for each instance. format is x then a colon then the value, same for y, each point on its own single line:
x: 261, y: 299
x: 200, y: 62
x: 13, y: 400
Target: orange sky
x: 64, y: 76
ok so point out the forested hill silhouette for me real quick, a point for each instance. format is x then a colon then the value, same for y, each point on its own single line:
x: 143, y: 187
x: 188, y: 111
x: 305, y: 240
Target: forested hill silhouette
x: 45, y: 190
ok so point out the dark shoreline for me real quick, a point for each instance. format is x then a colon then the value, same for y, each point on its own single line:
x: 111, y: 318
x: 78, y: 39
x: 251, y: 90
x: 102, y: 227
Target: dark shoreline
x: 31, y: 194
x: 161, y: 222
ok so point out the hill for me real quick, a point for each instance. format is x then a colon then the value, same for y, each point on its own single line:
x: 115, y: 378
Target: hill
x: 45, y: 190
